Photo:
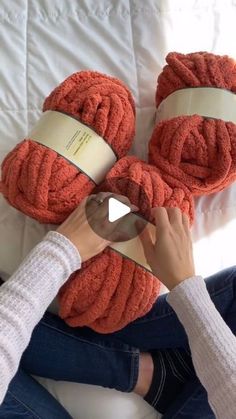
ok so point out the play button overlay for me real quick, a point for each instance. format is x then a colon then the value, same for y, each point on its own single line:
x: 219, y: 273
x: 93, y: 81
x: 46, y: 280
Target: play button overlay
x: 116, y: 209
x: 118, y: 222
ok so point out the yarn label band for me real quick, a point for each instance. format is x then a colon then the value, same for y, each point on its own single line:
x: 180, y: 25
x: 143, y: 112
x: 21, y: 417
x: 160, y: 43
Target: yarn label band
x: 76, y: 142
x: 209, y: 102
x: 133, y: 249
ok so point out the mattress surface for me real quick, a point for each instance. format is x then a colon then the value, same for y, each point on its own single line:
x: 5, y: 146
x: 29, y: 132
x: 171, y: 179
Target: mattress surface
x: 42, y: 42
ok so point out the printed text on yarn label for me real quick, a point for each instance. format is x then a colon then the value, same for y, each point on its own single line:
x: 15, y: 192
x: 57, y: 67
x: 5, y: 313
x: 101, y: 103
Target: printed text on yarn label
x: 76, y: 142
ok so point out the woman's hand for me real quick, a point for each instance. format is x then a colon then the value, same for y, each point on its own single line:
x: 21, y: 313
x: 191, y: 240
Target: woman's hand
x: 169, y: 254
x: 93, y: 211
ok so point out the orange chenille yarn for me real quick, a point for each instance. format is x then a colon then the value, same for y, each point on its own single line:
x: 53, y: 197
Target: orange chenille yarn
x: 198, y: 151
x: 44, y: 185
x: 110, y: 290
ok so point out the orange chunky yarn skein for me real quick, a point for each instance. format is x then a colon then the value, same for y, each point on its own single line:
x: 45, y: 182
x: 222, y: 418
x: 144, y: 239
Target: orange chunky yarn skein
x: 111, y: 290
x: 44, y: 185
x: 199, y: 152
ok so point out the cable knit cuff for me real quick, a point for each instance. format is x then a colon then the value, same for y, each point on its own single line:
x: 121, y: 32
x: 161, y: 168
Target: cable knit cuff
x: 211, y: 341
x: 27, y: 294
x: 67, y: 247
x: 186, y: 286
x: 189, y: 298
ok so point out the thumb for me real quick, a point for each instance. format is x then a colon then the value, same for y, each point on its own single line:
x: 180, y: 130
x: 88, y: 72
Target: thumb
x: 1, y: 187
x: 148, y: 246
x: 119, y: 236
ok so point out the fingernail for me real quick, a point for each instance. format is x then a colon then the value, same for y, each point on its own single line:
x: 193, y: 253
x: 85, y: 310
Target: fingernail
x: 139, y: 224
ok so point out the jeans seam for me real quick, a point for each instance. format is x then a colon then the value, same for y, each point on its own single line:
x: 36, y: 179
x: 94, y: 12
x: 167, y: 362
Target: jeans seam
x: 107, y: 348
x: 183, y: 405
x: 233, y: 271
x: 134, y: 371
x: 25, y: 405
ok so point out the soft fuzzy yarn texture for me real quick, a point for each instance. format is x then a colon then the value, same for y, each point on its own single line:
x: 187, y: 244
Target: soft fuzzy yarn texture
x: 199, y: 152
x: 44, y: 185
x: 110, y: 290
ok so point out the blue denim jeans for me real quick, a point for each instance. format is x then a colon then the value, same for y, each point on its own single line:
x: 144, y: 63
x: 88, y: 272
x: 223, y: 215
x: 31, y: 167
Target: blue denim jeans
x: 27, y: 399
x: 81, y: 355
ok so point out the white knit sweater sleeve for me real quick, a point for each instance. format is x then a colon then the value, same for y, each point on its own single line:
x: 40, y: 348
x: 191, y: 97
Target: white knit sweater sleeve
x: 213, y: 345
x: 27, y: 294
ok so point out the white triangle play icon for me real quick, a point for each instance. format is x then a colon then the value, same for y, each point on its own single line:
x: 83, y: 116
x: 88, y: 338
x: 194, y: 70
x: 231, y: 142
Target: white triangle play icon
x: 116, y: 210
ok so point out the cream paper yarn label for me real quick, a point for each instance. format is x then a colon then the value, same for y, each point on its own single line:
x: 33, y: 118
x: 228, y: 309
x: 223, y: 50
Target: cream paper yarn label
x: 76, y: 142
x: 209, y: 102
x: 133, y: 249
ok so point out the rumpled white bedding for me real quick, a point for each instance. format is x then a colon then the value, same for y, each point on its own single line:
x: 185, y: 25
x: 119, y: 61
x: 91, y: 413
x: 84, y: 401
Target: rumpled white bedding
x: 44, y: 41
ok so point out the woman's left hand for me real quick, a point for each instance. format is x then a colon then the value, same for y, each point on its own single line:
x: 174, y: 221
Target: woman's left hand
x: 93, y: 211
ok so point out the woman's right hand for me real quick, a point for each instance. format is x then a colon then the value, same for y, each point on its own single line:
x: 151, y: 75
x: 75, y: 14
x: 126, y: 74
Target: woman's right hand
x: 93, y: 211
x: 169, y: 253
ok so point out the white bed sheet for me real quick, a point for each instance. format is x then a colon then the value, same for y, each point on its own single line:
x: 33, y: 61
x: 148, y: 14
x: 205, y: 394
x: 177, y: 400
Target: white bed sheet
x: 44, y: 41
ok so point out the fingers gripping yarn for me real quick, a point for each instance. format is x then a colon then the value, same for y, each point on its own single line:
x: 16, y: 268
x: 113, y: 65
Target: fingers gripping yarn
x: 44, y: 185
x: 112, y: 291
